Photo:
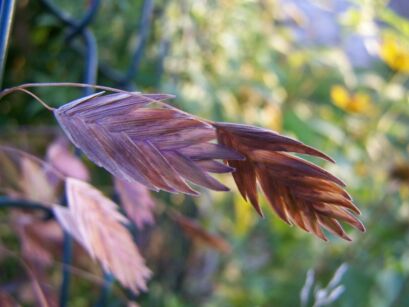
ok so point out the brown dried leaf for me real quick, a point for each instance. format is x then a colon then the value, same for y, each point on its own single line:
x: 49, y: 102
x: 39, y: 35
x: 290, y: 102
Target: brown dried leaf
x: 93, y: 220
x: 300, y: 192
x: 34, y: 182
x: 39, y: 239
x: 9, y: 172
x: 136, y: 201
x: 25, y: 176
x: 37, y: 280
x: 7, y: 300
x: 38, y: 283
x: 158, y: 147
x: 196, y: 232
x: 59, y: 156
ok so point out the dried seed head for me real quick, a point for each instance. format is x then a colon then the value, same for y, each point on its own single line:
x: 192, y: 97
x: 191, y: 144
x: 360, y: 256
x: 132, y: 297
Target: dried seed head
x: 94, y: 221
x: 136, y: 201
x: 160, y: 148
x: 300, y: 192
x: 59, y: 156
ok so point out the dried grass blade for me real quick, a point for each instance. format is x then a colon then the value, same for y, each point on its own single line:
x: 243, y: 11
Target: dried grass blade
x: 98, y: 226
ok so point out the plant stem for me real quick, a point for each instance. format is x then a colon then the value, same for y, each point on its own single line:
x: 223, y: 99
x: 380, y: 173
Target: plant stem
x: 63, y: 84
x: 22, y: 88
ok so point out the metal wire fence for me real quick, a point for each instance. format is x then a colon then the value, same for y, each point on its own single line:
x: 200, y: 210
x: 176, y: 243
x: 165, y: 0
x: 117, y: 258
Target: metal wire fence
x: 6, y: 18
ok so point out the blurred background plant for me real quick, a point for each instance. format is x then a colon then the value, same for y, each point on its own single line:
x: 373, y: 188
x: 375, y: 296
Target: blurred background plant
x: 332, y: 73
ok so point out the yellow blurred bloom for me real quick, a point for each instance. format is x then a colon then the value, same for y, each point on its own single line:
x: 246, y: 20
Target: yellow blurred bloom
x: 270, y: 117
x: 353, y: 103
x: 245, y: 216
x: 394, y: 54
x: 361, y: 169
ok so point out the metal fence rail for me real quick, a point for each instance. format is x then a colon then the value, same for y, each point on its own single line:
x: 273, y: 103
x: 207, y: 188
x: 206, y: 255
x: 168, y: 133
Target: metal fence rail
x: 6, y: 18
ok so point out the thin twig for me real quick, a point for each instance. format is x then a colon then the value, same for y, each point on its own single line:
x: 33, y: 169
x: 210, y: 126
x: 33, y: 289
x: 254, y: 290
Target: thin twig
x: 63, y: 84
x: 36, y: 98
x: 84, y: 85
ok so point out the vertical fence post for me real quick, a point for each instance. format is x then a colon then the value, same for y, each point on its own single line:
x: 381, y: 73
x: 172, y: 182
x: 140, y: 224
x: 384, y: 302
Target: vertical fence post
x: 6, y: 18
x: 66, y: 270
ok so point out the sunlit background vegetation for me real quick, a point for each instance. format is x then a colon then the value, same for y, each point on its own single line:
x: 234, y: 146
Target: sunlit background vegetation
x: 331, y: 73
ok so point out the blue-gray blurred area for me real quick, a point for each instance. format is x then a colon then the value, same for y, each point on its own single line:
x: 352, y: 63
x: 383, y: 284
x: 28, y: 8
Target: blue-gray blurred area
x: 321, y: 25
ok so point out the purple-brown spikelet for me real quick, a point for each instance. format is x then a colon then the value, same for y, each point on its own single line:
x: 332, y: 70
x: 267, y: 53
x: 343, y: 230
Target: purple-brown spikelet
x: 158, y: 147
x: 139, y: 138
x: 300, y: 192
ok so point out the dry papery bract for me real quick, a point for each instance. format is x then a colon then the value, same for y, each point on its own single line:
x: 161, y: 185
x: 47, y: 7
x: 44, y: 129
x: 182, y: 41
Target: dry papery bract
x: 94, y: 221
x: 140, y: 138
x: 40, y: 240
x: 38, y: 290
x: 28, y: 178
x: 136, y: 201
x: 199, y: 234
x: 25, y: 176
x: 6, y: 300
x: 62, y: 159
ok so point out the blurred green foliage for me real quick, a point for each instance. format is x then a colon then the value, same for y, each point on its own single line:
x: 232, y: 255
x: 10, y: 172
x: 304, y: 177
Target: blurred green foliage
x: 241, y: 61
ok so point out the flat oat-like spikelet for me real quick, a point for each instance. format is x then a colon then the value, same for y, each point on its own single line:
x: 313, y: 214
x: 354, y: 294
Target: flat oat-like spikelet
x: 139, y: 138
x: 159, y: 147
x: 59, y: 156
x: 94, y: 221
x: 300, y: 192
x: 25, y: 176
x: 136, y: 201
x: 196, y: 232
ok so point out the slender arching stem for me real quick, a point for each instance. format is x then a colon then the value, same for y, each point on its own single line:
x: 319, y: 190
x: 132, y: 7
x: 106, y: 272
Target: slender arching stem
x: 36, y: 98
x: 20, y: 89
x: 65, y: 84
x: 23, y: 88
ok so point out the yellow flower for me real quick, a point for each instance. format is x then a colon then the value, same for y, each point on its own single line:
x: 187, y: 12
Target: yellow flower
x: 395, y: 54
x: 353, y: 103
x: 244, y: 217
x: 270, y: 117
